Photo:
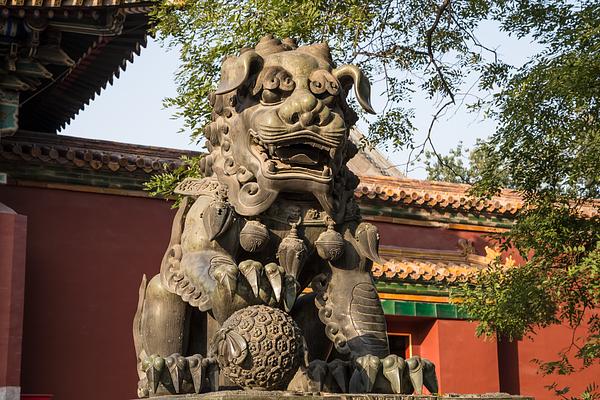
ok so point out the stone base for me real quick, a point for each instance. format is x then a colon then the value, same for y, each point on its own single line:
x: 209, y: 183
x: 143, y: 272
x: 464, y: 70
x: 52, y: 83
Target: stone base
x: 260, y: 395
x: 10, y: 393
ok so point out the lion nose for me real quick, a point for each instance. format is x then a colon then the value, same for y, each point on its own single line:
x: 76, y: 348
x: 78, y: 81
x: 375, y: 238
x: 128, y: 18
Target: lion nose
x: 308, y: 118
x: 301, y: 107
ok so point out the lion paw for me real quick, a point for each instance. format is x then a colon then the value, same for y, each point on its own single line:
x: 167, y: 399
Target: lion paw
x: 393, y: 374
x: 176, y: 374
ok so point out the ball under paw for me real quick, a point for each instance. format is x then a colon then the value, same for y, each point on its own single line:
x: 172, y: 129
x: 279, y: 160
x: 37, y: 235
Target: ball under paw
x: 259, y: 347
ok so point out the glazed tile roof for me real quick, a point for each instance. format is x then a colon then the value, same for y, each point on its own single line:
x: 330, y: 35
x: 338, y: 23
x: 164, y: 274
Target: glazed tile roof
x: 99, y: 60
x: 81, y: 46
x: 453, y: 197
x: 87, y: 153
x: 112, y: 157
x: 433, y: 266
x: 423, y: 270
x: 420, y: 193
x: 29, y: 157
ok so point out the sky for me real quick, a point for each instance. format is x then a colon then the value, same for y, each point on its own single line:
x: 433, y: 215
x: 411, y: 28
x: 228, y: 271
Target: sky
x: 131, y: 110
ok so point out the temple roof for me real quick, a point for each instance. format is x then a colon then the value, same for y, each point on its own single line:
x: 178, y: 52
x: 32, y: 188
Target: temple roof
x: 26, y: 152
x: 427, y: 265
x: 442, y: 195
x: 39, y: 157
x: 369, y: 161
x: 69, y: 4
x: 453, y: 197
x: 60, y: 54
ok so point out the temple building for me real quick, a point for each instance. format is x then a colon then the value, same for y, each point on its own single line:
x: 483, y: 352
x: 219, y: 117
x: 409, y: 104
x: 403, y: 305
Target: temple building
x: 77, y: 230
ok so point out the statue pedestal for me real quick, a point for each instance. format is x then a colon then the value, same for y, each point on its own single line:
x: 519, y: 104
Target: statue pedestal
x: 274, y: 395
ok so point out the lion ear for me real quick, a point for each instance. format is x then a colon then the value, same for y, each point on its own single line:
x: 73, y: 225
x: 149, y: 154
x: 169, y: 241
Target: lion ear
x: 236, y: 70
x: 362, y: 87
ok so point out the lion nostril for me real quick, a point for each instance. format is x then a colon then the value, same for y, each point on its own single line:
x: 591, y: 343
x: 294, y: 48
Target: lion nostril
x: 294, y: 118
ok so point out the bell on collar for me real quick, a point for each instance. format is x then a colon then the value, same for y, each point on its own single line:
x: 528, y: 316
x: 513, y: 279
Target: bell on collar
x: 217, y: 218
x: 367, y: 236
x: 292, y: 253
x: 330, y: 244
x: 254, y: 236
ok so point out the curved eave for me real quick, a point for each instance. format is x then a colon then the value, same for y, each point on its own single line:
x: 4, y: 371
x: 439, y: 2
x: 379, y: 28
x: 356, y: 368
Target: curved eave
x: 100, y: 59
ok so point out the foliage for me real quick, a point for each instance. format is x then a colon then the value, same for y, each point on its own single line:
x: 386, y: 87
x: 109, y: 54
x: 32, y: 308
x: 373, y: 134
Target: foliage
x: 547, y: 145
x: 461, y: 165
x: 163, y: 184
x: 429, y: 47
x: 548, y: 141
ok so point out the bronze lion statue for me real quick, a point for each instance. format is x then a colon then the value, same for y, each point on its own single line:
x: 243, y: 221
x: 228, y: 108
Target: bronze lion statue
x: 273, y: 225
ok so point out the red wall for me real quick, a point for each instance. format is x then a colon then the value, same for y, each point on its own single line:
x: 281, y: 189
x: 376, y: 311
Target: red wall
x: 421, y: 237
x: 545, y: 346
x: 464, y: 363
x: 85, y: 257
x: 467, y: 364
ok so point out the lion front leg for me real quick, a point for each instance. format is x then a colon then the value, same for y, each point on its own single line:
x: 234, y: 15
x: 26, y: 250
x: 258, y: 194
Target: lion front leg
x: 161, y: 334
x: 348, y: 301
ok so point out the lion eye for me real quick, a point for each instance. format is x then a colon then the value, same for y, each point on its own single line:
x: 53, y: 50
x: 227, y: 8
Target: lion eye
x: 317, y: 86
x: 274, y: 83
x: 286, y: 83
x: 324, y: 85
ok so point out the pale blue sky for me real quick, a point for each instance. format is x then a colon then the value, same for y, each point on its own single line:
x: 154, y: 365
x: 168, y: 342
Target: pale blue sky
x: 131, y: 109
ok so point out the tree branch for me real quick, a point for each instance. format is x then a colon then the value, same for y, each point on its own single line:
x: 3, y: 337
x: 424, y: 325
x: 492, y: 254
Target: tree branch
x: 393, y: 49
x: 429, y: 41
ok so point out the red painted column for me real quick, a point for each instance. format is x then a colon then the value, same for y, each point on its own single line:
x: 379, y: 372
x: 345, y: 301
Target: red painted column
x: 13, y: 231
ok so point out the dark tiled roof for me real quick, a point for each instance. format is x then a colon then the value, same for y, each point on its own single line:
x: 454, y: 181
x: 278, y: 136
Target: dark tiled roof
x: 99, y: 59
x: 53, y: 4
x: 30, y: 156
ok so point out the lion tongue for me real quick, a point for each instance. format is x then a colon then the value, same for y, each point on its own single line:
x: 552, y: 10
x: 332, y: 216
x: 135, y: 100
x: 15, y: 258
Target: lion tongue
x: 302, y: 159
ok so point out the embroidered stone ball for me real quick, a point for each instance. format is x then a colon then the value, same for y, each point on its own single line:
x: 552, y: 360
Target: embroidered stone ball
x: 259, y: 347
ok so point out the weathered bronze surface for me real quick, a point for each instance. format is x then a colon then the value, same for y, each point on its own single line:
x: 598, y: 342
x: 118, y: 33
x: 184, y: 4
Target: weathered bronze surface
x: 274, y: 215
x: 260, y: 395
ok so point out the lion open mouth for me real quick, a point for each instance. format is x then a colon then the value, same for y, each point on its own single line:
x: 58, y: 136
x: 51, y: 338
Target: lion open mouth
x: 302, y: 152
x: 302, y: 155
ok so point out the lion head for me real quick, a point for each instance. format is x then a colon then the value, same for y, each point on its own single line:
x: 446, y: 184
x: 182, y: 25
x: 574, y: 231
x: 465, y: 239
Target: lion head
x: 281, y: 123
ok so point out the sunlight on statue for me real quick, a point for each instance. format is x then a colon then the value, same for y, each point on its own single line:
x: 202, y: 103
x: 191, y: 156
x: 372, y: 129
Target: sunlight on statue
x: 273, y: 216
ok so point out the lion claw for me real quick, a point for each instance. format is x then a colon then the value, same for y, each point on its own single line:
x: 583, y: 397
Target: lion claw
x: 176, y: 374
x: 274, y: 275
x: 364, y: 376
x: 291, y: 288
x: 252, y: 270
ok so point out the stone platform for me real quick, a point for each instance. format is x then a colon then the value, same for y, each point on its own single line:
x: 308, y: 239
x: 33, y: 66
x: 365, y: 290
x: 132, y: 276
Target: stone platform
x: 260, y: 395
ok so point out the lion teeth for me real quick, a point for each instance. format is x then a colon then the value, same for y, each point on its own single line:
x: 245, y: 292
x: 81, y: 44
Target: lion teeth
x: 326, y: 172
